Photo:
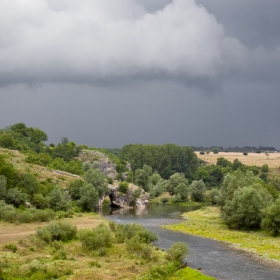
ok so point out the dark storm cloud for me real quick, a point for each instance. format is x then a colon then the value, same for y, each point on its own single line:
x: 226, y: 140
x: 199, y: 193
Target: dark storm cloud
x: 108, y: 73
x: 47, y: 41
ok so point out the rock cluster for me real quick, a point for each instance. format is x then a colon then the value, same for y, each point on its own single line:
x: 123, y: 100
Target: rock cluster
x: 135, y: 196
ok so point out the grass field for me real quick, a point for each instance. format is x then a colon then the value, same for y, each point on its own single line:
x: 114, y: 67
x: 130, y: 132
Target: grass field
x: 273, y: 160
x: 206, y: 222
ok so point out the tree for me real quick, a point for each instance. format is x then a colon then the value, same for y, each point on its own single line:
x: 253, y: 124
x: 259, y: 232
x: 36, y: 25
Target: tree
x: 197, y: 191
x: 208, y: 152
x: 223, y: 162
x: 88, y: 197
x: 174, y: 181
x: 7, y: 141
x: 182, y: 190
x: 236, y: 164
x: 29, y: 183
x: 58, y: 201
x: 98, y: 180
x: 8, y: 170
x: 3, y: 187
x: 15, y: 197
x: 265, y: 168
x: 271, y: 218
x: 232, y: 182
x: 215, y: 150
x: 141, y: 179
x: 245, y: 208
x: 74, y: 189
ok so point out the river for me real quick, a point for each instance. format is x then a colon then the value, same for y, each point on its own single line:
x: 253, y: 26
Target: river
x: 214, y: 258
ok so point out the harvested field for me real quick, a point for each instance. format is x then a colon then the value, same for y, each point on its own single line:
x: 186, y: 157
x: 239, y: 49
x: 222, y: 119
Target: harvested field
x: 273, y: 160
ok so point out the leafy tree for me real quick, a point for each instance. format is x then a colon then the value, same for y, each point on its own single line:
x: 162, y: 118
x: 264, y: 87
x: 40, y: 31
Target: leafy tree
x: 182, y: 190
x: 15, y: 197
x: 98, y: 180
x: 245, y: 208
x: 58, y: 201
x: 157, y: 189
x: 7, y: 141
x: 29, y: 183
x: 8, y: 170
x: 232, y: 182
x: 74, y: 189
x: 215, y: 150
x: 236, y: 164
x: 155, y: 178
x: 197, y: 190
x: 141, y: 178
x: 88, y: 197
x: 211, y: 197
x: 3, y: 187
x: 265, y: 168
x: 223, y: 162
x: 208, y: 152
x: 174, y: 181
x: 271, y: 218
x: 40, y: 202
x: 165, y: 159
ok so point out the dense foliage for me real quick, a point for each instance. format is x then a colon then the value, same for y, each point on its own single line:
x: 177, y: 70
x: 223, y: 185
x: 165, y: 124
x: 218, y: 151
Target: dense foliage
x: 165, y: 159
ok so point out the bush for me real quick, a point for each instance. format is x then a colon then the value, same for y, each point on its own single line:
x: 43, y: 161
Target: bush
x: 57, y: 231
x: 245, y: 154
x: 126, y: 232
x: 97, y: 238
x: 123, y: 187
x: 177, y: 252
x: 164, y: 200
x: 12, y: 247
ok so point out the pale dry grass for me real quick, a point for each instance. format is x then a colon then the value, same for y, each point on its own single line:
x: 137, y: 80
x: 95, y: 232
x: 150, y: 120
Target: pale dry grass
x: 251, y: 159
x: 13, y: 233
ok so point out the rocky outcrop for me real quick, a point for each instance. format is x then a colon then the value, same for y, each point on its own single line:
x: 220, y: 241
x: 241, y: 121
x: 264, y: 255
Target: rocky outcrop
x: 134, y: 196
x: 105, y: 164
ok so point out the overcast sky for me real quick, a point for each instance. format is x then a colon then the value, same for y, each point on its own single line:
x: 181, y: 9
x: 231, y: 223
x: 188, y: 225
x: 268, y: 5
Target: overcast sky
x: 112, y: 72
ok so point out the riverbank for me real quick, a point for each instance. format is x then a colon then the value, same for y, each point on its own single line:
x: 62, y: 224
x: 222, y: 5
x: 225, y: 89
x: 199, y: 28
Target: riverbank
x: 24, y: 257
x: 206, y: 222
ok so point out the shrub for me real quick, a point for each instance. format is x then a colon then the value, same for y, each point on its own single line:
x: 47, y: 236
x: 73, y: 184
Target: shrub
x: 97, y: 238
x: 164, y: 199
x: 123, y: 187
x: 126, y: 232
x: 57, y: 231
x: 177, y: 252
x: 245, y: 154
x: 12, y: 247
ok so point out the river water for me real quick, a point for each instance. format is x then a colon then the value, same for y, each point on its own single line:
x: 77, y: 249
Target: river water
x: 214, y: 258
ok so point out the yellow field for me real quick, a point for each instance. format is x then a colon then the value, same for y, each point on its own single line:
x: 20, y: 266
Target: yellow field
x: 273, y: 160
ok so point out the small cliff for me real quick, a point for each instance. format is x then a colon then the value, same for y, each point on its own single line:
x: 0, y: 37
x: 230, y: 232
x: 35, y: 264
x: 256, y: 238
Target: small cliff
x: 105, y: 164
x: 134, y: 196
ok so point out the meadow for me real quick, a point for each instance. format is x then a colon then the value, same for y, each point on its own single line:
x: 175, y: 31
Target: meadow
x: 273, y: 160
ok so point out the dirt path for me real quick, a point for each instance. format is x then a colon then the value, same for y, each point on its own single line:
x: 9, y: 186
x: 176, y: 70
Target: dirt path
x: 10, y: 233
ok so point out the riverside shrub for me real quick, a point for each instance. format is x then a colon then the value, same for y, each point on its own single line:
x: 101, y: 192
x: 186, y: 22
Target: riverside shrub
x: 96, y: 239
x: 126, y: 232
x: 59, y: 231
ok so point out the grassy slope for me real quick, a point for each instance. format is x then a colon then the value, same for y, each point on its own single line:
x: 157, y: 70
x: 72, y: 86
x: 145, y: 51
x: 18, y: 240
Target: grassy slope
x: 189, y: 274
x: 41, y: 172
x: 206, y: 222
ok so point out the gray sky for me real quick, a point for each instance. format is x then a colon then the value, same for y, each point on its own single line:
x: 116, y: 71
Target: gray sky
x: 108, y: 73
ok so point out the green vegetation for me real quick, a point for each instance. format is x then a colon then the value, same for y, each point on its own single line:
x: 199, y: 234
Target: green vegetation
x: 165, y: 159
x: 207, y: 222
x: 60, y: 251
